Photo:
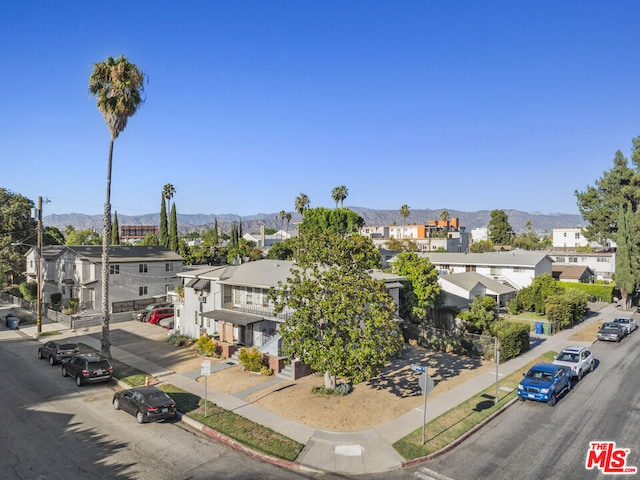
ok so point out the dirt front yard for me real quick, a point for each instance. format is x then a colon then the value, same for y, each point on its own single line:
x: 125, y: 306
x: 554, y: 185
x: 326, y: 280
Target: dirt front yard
x: 392, y: 393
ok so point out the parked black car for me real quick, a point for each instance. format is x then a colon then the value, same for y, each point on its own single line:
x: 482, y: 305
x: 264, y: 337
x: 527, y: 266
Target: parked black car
x: 146, y: 403
x: 56, y: 352
x: 87, y: 368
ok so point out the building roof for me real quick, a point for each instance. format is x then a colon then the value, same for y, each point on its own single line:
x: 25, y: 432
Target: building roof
x: 237, y: 318
x: 570, y: 272
x: 514, y: 258
x: 126, y: 253
x: 469, y: 280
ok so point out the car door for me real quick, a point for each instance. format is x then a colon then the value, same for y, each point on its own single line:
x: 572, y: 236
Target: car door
x: 126, y: 402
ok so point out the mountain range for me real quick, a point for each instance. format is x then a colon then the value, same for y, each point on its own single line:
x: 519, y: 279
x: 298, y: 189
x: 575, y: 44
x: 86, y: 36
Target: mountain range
x: 540, y: 222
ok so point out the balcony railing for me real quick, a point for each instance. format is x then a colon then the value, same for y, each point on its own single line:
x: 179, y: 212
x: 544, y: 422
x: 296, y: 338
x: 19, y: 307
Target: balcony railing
x: 258, y: 310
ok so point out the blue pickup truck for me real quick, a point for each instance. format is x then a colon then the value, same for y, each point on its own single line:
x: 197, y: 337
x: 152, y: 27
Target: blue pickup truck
x: 544, y: 382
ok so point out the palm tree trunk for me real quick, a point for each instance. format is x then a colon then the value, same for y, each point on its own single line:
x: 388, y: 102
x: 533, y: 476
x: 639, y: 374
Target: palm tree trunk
x: 106, y: 229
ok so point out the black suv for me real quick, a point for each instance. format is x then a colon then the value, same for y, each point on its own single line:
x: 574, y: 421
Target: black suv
x: 56, y: 351
x: 87, y: 368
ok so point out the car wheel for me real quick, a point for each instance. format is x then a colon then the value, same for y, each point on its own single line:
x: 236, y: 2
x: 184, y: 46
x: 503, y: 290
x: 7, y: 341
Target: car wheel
x: 140, y: 417
x: 552, y: 400
x: 580, y: 374
x: 64, y: 371
x: 618, y: 339
x: 522, y: 399
x: 40, y: 354
x: 78, y: 380
x: 52, y: 361
x: 116, y: 404
x: 591, y: 365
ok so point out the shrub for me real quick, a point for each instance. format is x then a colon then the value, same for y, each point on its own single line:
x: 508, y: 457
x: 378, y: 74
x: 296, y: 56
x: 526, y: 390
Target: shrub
x: 266, y: 371
x: 341, y: 389
x: 14, y: 291
x: 205, y: 346
x: 514, y: 339
x: 514, y: 307
x: 250, y: 359
x: 55, y: 298
x: 180, y: 339
x: 29, y: 290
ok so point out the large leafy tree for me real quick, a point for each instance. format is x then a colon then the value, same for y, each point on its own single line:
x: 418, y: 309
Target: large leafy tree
x: 83, y: 237
x: 600, y: 205
x: 421, y: 292
x: 534, y: 297
x: 339, y: 195
x: 500, y: 231
x: 118, y: 86
x: 343, y: 319
x: 341, y: 221
x: 52, y: 236
x: 481, y: 317
x: 16, y: 226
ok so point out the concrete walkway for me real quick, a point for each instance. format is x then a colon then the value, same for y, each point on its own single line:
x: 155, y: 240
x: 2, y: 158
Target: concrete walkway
x: 354, y: 453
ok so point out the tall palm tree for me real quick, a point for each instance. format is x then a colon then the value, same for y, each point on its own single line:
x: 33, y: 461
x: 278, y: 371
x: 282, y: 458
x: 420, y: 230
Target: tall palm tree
x: 287, y: 217
x: 282, y: 215
x: 119, y: 87
x: 302, y: 203
x: 404, y: 213
x: 339, y: 194
x: 168, y: 191
x: 444, y: 215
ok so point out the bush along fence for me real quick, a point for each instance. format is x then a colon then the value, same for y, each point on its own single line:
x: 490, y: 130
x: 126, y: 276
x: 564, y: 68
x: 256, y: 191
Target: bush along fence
x: 458, y: 342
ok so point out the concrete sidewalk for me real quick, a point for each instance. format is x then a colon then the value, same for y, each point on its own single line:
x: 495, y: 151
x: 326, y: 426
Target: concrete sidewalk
x: 353, y: 453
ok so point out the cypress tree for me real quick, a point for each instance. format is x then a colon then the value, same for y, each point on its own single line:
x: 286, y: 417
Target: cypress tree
x: 115, y: 230
x: 163, y: 234
x: 173, y: 229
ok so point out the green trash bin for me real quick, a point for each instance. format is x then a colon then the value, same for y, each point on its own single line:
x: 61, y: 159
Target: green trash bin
x: 547, y: 328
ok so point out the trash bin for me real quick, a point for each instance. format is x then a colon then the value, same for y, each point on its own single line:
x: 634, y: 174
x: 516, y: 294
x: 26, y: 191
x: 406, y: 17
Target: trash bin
x: 547, y: 328
x: 12, y: 323
x: 539, y: 328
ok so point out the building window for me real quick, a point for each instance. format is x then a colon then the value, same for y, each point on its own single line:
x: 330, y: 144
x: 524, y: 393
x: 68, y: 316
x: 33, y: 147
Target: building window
x: 573, y: 260
x: 63, y: 265
x: 564, y: 234
x: 74, y: 268
x: 142, y: 268
x: 578, y: 236
x: 602, y: 259
x: 114, y: 269
x: 142, y: 291
x: 168, y: 267
x: 236, y: 295
x: 249, y: 296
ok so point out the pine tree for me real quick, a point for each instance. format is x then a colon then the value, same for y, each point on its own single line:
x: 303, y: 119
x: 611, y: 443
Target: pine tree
x: 215, y: 231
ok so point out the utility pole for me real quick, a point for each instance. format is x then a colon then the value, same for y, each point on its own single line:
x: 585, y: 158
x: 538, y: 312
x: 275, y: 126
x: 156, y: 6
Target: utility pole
x: 39, y: 269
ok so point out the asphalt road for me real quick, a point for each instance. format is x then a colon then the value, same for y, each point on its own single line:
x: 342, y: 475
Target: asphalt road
x: 531, y: 440
x: 52, y: 429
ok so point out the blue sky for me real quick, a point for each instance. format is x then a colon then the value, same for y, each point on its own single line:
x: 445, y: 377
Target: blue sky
x: 462, y: 105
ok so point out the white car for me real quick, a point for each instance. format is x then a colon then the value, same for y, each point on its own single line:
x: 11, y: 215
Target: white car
x: 627, y: 324
x: 578, y: 359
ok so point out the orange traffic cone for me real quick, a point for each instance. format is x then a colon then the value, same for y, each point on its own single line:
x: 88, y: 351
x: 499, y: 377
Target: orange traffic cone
x: 146, y: 381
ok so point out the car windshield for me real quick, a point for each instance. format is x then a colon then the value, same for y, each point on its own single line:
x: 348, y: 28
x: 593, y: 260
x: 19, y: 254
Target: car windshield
x: 621, y: 320
x: 68, y: 346
x: 103, y: 364
x: 539, y: 375
x: 568, y: 357
x: 610, y: 325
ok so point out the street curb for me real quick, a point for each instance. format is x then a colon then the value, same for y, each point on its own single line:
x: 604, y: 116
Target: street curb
x: 460, y: 439
x: 236, y: 445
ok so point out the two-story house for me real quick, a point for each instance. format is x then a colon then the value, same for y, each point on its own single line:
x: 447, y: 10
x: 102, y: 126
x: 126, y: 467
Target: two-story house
x: 517, y: 268
x: 233, y: 303
x: 138, y: 275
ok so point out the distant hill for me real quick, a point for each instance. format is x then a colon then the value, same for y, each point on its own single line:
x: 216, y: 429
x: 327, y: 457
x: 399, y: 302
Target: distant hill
x: 252, y: 223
